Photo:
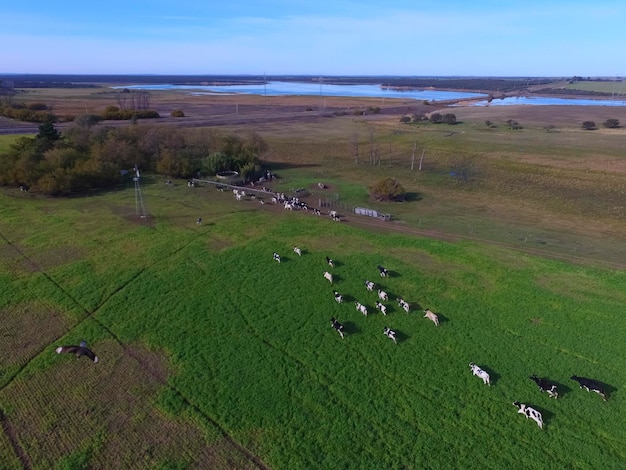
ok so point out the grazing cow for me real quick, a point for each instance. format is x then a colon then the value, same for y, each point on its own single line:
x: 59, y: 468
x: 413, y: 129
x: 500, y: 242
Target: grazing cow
x: 297, y: 251
x: 431, y: 316
x: 79, y: 351
x: 288, y: 206
x: 328, y: 276
x: 361, y: 308
x: 529, y: 413
x: 276, y: 257
x: 369, y: 285
x: 403, y: 304
x: 383, y: 272
x: 337, y: 326
x: 545, y: 386
x: 199, y: 221
x: 330, y: 262
x: 382, y: 295
x: 382, y: 308
x: 590, y: 385
x: 333, y: 214
x: 480, y: 373
x: 389, y: 333
x: 317, y: 212
x: 23, y: 188
x: 338, y: 297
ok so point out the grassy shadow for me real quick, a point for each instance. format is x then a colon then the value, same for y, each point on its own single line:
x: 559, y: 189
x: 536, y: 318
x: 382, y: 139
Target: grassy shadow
x: 351, y: 328
x: 412, y: 196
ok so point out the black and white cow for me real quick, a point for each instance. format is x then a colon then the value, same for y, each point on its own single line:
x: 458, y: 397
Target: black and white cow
x: 545, y: 386
x: 382, y: 295
x: 330, y: 262
x: 389, y: 333
x: 337, y: 326
x: 529, y: 413
x: 590, y: 385
x: 276, y: 257
x: 382, y: 308
x: 361, y: 308
x: 383, y: 271
x: 199, y: 221
x: 369, y: 285
x: 338, y: 297
x: 480, y: 373
x: 403, y: 304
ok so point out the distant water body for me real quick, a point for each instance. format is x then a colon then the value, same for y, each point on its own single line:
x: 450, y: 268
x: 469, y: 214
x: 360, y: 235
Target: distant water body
x: 278, y: 88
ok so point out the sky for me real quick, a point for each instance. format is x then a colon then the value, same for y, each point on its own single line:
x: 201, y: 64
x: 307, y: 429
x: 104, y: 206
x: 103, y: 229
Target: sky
x: 555, y: 38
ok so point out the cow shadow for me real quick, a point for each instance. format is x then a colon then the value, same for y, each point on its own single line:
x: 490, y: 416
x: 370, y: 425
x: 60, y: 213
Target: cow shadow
x: 393, y: 274
x: 494, y: 377
x: 442, y: 318
x: 336, y: 278
x: 609, y: 390
x: 347, y: 298
x: 546, y: 415
x: 400, y: 336
x: 561, y: 388
x: 351, y: 328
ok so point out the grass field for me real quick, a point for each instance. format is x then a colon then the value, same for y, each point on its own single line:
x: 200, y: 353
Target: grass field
x: 212, y: 355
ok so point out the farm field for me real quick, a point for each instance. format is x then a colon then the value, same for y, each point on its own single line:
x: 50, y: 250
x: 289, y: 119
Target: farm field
x: 212, y: 355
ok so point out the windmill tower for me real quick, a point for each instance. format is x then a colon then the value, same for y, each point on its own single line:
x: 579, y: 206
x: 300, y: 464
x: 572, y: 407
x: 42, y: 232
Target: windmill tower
x: 140, y: 208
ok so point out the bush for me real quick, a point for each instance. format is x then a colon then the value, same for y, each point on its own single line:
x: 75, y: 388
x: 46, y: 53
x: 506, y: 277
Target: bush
x: 589, y: 125
x: 177, y: 113
x: 405, y: 119
x: 387, y: 189
x: 611, y: 123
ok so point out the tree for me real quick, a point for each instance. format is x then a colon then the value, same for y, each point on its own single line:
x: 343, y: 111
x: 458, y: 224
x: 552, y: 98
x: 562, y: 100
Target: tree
x: 513, y: 124
x: 589, y: 125
x: 449, y: 118
x: 387, y: 189
x: 437, y: 118
x: 611, y: 123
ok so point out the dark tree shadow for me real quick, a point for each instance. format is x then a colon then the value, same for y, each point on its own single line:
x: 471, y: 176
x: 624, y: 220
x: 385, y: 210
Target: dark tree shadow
x: 411, y: 196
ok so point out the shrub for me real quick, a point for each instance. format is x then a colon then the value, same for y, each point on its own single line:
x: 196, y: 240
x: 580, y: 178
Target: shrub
x: 387, y: 189
x: 611, y: 123
x: 589, y: 125
x: 405, y: 119
x: 177, y: 113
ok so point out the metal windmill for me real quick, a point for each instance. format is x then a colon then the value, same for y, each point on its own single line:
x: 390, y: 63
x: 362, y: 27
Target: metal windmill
x: 140, y: 208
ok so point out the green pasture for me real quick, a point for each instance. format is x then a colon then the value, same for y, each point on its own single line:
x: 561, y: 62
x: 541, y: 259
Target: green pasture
x: 212, y: 355
x: 616, y: 87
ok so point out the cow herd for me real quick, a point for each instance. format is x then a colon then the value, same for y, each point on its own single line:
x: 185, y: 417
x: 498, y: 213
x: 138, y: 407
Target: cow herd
x: 543, y: 384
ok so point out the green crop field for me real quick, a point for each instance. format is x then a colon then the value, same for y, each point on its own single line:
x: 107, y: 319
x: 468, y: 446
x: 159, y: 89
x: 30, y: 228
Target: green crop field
x: 212, y: 355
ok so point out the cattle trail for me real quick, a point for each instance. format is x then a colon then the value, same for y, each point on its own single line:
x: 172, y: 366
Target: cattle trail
x: 9, y: 432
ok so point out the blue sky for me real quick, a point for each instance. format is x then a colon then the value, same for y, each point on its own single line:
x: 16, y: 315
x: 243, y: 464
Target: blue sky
x: 334, y: 37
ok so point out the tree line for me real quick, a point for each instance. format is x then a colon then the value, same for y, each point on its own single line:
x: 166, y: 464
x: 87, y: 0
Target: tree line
x: 87, y: 156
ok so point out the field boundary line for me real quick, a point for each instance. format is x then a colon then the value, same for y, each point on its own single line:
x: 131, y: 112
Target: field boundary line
x: 9, y: 432
x: 8, y: 428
